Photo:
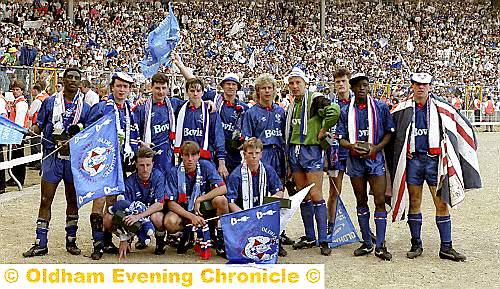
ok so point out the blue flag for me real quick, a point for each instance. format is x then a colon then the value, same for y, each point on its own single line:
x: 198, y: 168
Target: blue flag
x: 252, y: 236
x: 11, y: 132
x: 270, y: 47
x: 343, y: 230
x: 397, y: 65
x: 161, y: 41
x: 96, y: 162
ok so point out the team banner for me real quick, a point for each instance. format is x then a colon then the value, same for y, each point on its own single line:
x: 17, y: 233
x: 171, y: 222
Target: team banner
x: 252, y: 236
x: 96, y: 162
x: 343, y: 230
x: 11, y: 132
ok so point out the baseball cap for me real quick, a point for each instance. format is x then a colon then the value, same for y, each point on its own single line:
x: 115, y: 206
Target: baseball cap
x: 297, y: 72
x: 122, y: 76
x: 231, y: 77
x: 357, y: 77
x: 422, y: 77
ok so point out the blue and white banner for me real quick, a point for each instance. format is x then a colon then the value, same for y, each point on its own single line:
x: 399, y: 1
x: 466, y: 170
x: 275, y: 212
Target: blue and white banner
x: 160, y: 44
x: 343, y: 230
x: 96, y: 162
x: 11, y: 132
x: 252, y: 236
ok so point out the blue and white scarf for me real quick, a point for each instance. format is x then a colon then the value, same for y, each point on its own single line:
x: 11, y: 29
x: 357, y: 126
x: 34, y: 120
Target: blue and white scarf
x: 182, y: 186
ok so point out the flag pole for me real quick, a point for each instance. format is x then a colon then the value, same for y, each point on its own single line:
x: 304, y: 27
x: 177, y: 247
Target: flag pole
x: 209, y: 219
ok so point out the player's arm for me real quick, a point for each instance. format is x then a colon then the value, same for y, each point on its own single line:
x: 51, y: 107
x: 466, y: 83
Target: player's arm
x: 182, y: 68
x: 179, y: 210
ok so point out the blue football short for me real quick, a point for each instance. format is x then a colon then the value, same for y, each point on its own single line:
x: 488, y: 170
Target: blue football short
x: 358, y: 167
x: 305, y: 158
x: 422, y: 167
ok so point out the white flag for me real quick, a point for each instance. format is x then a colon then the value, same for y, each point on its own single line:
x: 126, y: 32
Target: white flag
x: 237, y: 26
x: 287, y: 214
x: 251, y: 61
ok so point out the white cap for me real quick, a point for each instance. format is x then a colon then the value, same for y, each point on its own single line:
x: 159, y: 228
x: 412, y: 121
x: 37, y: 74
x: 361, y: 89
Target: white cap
x: 297, y: 72
x: 123, y: 76
x: 357, y: 77
x: 231, y: 77
x: 422, y: 77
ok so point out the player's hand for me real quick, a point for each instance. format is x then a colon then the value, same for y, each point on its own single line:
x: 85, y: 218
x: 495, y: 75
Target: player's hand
x: 359, y: 152
x: 409, y: 155
x: 321, y: 134
x: 130, y: 219
x: 123, y: 250
x: 211, y: 106
x: 197, y: 205
x: 372, y: 152
x: 174, y: 56
x: 223, y: 170
x: 197, y: 220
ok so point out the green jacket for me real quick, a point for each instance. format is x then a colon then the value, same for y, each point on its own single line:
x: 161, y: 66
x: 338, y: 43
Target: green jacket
x: 325, y: 118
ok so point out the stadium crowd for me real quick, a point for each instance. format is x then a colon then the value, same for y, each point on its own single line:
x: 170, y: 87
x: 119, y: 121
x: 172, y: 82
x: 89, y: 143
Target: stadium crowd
x: 453, y: 40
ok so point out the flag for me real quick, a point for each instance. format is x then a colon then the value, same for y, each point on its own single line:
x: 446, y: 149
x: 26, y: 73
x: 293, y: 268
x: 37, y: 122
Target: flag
x: 237, y: 26
x: 251, y: 61
x: 252, y: 236
x: 161, y: 41
x: 11, y: 132
x: 96, y: 162
x: 270, y: 47
x: 112, y: 53
x: 343, y: 230
x: 458, y: 165
x: 397, y: 65
x: 287, y: 214
x: 47, y: 58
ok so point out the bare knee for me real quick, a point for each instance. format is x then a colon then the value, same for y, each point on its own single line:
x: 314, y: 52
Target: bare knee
x: 157, y: 219
x: 220, y: 204
x: 172, y: 223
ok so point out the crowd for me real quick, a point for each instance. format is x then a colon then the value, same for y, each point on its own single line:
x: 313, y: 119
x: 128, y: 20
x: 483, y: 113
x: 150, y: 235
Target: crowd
x: 456, y: 41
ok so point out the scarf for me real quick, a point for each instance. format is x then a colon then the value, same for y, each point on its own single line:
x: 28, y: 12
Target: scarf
x: 304, y: 117
x: 127, y: 148
x: 352, y: 127
x: 59, y: 110
x: 147, y: 123
x: 182, y: 186
x: 432, y: 126
x: 204, y: 152
x: 247, y: 185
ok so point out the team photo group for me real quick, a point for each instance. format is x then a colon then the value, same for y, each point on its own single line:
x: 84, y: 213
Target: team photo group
x: 169, y: 169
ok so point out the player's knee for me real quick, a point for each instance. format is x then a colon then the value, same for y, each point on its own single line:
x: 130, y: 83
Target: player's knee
x: 220, y: 202
x: 107, y: 222
x: 157, y: 219
x: 172, y: 223
x: 441, y: 208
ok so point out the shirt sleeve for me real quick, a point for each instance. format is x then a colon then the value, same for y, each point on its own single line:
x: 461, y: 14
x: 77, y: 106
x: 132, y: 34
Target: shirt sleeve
x: 41, y: 119
x: 171, y: 184
x: 213, y: 177
x: 273, y: 181
x: 217, y: 136
x: 388, y: 120
x: 233, y: 186
x: 342, y: 125
x: 159, y: 186
x: 247, y: 127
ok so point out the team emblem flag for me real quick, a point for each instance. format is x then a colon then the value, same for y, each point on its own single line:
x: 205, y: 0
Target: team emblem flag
x: 96, y: 162
x: 10, y: 132
x: 252, y: 236
x: 343, y: 230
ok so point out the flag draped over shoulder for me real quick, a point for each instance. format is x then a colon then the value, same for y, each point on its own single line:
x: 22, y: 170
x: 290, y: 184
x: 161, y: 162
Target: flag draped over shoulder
x: 96, y: 162
x: 11, y: 132
x: 458, y: 166
x: 161, y: 41
x: 252, y: 236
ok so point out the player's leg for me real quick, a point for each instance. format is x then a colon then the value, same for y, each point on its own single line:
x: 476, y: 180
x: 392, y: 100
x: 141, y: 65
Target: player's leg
x: 443, y: 222
x: 378, y: 186
x: 157, y: 219
x: 96, y: 224
x: 307, y: 214
x: 71, y: 219
x: 363, y: 211
x: 221, y: 206
x: 335, y: 190
x: 320, y: 210
x: 48, y: 191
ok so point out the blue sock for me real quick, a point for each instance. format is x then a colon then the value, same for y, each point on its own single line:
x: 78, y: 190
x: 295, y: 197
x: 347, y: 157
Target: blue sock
x: 42, y: 228
x: 415, y: 224
x: 364, y: 225
x: 71, y: 227
x: 321, y: 216
x: 380, y: 226
x: 307, y: 214
x: 444, y: 226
